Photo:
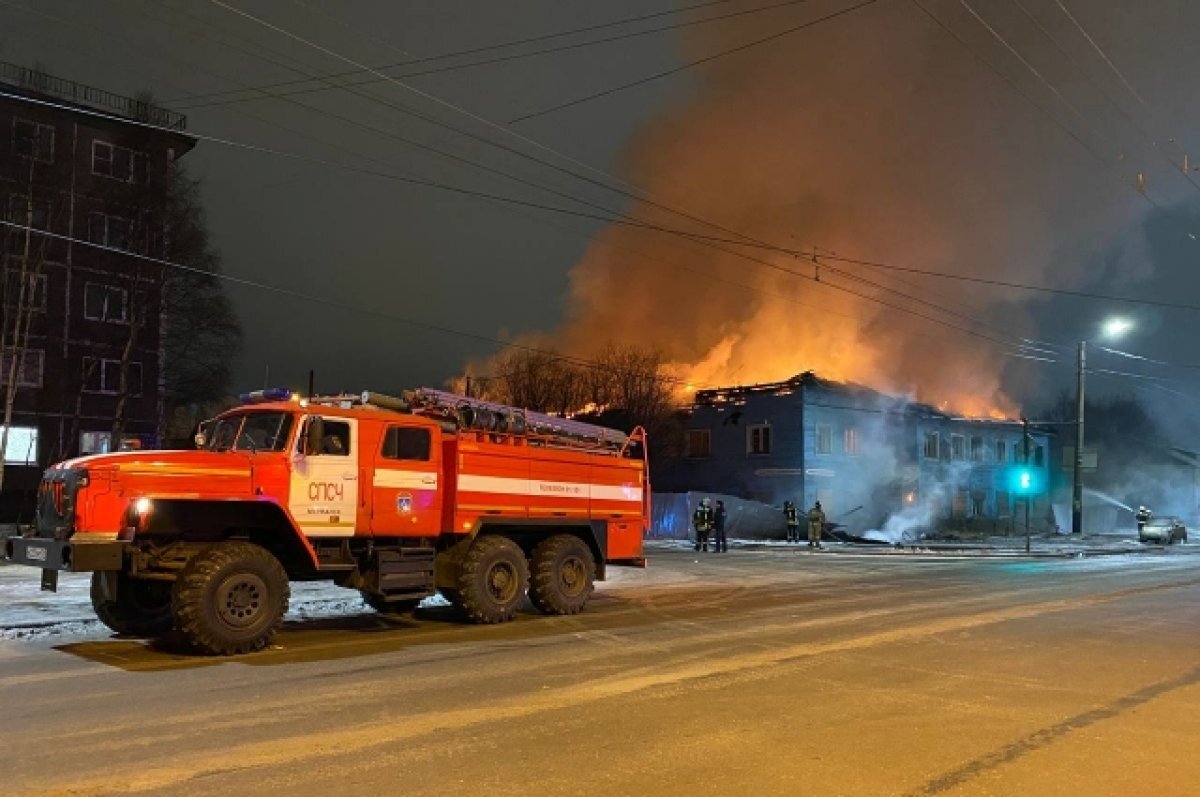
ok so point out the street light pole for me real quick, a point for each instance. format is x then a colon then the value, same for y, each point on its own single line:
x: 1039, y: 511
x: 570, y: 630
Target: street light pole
x: 1077, y: 485
x: 1025, y: 459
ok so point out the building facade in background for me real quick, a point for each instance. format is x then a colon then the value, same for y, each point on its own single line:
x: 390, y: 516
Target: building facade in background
x: 95, y: 339
x: 867, y: 457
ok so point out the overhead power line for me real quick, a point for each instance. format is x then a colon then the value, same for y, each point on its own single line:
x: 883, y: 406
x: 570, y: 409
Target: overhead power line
x: 334, y: 303
x: 327, y: 81
x: 691, y: 64
x: 637, y: 194
x: 469, y: 51
x: 1101, y: 53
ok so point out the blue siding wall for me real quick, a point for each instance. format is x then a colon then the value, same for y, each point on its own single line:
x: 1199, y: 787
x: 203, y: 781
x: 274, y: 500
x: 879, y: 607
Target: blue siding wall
x: 862, y: 454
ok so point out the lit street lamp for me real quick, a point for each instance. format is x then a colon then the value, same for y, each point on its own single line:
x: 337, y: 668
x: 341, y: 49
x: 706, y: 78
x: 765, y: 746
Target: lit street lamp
x: 1111, y: 329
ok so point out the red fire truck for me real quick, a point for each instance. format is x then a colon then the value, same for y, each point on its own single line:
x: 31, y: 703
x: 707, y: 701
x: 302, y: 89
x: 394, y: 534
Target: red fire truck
x: 394, y: 497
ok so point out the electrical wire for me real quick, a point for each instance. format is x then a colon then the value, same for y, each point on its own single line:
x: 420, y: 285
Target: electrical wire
x: 689, y: 65
x: 326, y: 301
x: 476, y: 50
x: 1101, y: 53
x: 637, y: 194
x: 189, y: 104
x: 625, y: 219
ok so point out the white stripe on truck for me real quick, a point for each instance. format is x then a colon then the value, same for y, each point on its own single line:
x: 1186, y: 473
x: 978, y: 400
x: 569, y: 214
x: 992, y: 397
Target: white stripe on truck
x: 508, y: 485
x: 406, y: 479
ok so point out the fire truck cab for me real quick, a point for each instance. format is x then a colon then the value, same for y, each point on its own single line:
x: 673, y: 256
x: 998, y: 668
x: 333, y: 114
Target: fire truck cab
x: 398, y: 498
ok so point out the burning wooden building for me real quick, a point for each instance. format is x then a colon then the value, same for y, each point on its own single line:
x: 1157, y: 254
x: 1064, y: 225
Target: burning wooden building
x: 871, y: 459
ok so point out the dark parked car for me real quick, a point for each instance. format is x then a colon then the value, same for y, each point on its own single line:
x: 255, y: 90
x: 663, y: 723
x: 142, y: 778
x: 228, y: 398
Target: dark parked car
x: 1163, y: 529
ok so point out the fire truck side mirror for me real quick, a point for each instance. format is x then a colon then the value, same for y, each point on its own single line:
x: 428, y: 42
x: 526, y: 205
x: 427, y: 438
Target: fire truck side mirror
x: 314, y: 435
x: 200, y: 439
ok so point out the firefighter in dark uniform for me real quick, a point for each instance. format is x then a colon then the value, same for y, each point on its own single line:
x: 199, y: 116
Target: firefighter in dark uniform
x: 816, y: 525
x: 1143, y: 515
x: 720, y: 544
x: 702, y: 520
x: 793, y: 523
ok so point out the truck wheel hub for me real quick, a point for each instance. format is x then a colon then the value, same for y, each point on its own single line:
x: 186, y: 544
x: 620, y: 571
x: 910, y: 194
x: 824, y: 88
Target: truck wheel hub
x: 502, y: 582
x: 240, y: 599
x: 571, y: 575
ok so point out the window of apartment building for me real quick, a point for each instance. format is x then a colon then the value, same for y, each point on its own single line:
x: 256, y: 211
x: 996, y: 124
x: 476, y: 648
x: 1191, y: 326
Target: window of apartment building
x: 978, y: 500
x: 112, y: 231
x: 104, y: 376
x: 105, y: 303
x: 34, y: 296
x: 1039, y: 457
x: 699, y: 443
x: 958, y: 447
x: 119, y: 163
x: 976, y: 449
x: 29, y: 370
x: 851, y: 440
x: 1002, y: 451
x: 21, y: 447
x: 931, y: 445
x: 823, y: 442
x: 758, y: 439
x: 94, y: 443
x: 35, y: 213
x: 33, y: 140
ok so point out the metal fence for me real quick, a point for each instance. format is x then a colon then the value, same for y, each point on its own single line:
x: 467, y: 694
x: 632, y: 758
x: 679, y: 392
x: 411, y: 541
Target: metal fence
x: 36, y: 80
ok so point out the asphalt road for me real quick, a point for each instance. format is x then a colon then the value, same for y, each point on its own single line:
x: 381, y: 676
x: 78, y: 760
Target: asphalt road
x: 755, y: 672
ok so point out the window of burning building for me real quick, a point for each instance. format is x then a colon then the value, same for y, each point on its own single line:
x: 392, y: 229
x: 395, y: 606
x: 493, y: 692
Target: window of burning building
x: 824, y: 440
x: 958, y: 447
x: 1001, y: 451
x: 758, y: 439
x: 1039, y: 457
x: 851, y: 441
x: 1003, y: 503
x: 699, y: 443
x: 977, y: 449
x: 932, y: 445
x: 958, y: 507
x: 978, y: 501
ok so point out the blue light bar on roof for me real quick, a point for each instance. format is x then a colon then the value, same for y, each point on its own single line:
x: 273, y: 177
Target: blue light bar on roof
x: 269, y: 394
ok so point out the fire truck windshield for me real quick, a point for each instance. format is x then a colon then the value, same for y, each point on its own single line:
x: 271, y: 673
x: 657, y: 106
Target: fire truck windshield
x: 251, y: 431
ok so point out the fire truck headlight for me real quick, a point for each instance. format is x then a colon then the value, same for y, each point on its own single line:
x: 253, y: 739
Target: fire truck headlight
x: 142, y: 507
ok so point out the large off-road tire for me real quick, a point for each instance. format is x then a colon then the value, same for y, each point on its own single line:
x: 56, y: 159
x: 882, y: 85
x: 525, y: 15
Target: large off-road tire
x: 140, y: 607
x: 563, y: 575
x: 230, y: 599
x: 385, y: 607
x: 492, y: 580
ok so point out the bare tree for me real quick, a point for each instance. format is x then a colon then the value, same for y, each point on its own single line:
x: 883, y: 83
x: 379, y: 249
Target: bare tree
x: 22, y: 289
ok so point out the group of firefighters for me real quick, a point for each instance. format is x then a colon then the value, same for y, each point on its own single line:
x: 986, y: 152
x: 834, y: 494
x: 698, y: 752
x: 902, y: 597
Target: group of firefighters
x: 708, y: 519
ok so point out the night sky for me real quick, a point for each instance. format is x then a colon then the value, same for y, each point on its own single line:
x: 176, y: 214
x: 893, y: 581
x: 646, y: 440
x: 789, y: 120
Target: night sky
x: 875, y: 134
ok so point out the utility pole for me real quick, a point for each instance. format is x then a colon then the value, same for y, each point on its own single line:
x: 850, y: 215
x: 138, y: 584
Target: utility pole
x: 1025, y: 443
x: 1077, y: 484
x: 312, y: 383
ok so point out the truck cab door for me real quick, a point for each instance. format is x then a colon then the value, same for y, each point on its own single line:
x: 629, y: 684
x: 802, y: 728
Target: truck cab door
x: 324, y: 483
x: 406, y: 494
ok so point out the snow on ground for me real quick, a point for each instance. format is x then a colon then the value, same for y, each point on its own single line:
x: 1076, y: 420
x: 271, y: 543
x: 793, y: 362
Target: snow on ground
x: 28, y: 614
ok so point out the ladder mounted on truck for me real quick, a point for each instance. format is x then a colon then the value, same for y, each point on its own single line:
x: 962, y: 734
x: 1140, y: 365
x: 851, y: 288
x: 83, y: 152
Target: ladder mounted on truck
x: 463, y: 413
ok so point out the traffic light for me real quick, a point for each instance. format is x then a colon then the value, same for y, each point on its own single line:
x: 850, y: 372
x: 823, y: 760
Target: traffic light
x: 1024, y: 480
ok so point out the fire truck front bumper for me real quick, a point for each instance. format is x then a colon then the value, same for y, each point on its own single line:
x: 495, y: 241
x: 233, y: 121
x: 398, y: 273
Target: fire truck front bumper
x: 53, y: 556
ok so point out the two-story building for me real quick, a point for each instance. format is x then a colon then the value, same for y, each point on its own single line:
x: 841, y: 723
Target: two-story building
x: 864, y: 455
x: 91, y: 169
